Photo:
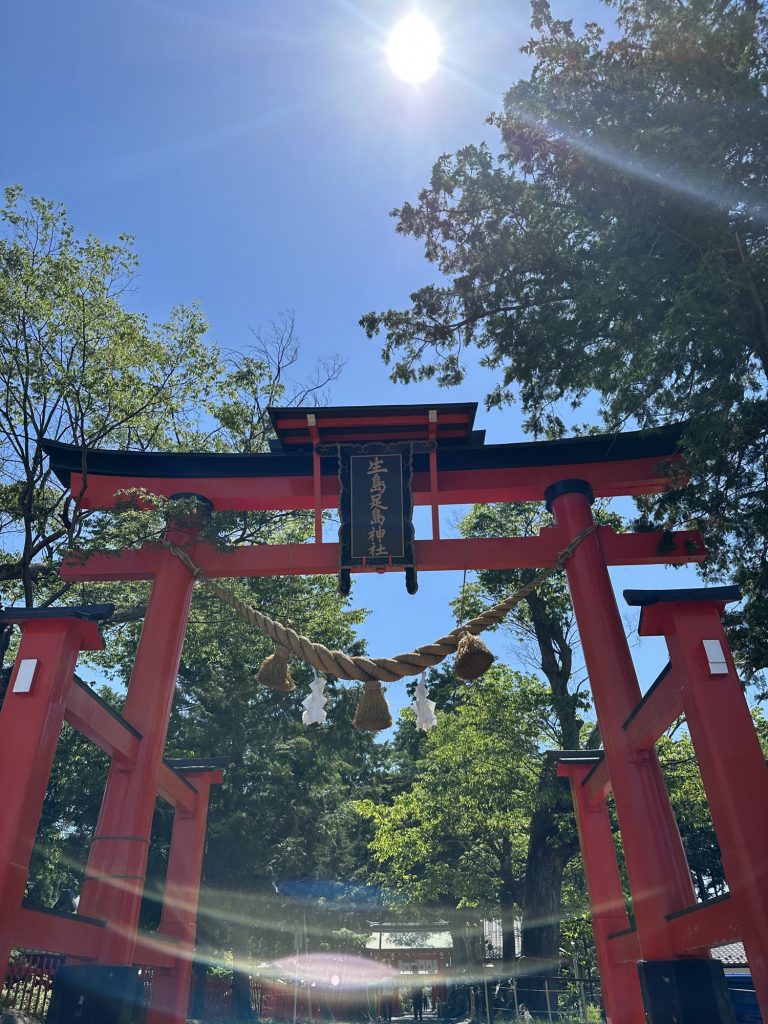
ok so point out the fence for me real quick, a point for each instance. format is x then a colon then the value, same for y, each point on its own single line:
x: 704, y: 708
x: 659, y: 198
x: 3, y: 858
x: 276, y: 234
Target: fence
x: 28, y: 983
x: 29, y: 980
x: 565, y: 1001
x: 561, y: 999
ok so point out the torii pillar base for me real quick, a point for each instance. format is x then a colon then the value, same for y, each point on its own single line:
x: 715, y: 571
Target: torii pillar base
x: 685, y: 991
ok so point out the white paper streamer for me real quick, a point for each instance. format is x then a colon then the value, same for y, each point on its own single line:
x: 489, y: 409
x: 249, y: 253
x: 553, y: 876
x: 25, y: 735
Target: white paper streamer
x: 425, y: 708
x: 314, y: 704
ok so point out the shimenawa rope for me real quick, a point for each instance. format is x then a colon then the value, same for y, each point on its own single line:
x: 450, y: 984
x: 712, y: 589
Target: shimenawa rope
x: 387, y: 670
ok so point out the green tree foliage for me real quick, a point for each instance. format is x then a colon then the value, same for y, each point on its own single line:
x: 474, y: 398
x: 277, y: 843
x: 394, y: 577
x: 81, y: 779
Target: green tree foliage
x: 689, y: 802
x: 543, y: 631
x: 458, y: 837
x: 79, y: 367
x: 69, y: 815
x: 283, y: 840
x: 617, y: 245
x: 543, y: 626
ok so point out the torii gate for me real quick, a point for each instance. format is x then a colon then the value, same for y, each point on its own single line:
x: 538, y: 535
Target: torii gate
x: 451, y: 465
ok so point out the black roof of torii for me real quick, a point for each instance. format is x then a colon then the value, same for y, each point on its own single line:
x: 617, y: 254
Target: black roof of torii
x: 460, y: 448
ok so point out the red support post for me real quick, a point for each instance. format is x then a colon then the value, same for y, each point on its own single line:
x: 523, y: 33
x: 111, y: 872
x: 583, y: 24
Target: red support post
x: 30, y: 724
x: 658, y: 872
x: 115, y: 875
x: 731, y: 762
x: 622, y: 999
x: 170, y: 989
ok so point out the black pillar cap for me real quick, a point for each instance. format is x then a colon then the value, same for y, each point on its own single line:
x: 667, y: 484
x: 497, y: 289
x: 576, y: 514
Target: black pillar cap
x: 643, y: 598
x: 568, y: 487
x: 89, y: 612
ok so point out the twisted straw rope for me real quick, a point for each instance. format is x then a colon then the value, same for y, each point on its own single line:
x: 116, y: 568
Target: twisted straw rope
x: 387, y: 670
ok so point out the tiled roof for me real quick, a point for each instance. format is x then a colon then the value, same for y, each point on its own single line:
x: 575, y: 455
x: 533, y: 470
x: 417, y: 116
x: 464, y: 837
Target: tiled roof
x: 410, y: 940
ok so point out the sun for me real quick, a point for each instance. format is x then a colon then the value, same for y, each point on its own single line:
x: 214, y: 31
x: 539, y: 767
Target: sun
x: 413, y: 49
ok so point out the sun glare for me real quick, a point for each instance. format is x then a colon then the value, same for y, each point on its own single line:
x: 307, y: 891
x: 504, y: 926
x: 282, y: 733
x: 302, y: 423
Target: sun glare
x: 413, y: 50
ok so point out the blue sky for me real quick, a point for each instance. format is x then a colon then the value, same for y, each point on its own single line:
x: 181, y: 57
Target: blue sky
x: 255, y: 149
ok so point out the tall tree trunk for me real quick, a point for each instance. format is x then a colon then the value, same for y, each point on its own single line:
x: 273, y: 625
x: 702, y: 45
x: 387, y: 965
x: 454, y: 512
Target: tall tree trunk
x: 507, y: 905
x: 510, y: 893
x: 467, y: 940
x: 548, y: 854
x: 553, y: 841
x: 197, y: 989
x: 242, y: 1004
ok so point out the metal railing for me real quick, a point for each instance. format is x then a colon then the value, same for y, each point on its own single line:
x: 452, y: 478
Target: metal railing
x: 559, y: 999
x: 555, y: 1000
x: 28, y: 982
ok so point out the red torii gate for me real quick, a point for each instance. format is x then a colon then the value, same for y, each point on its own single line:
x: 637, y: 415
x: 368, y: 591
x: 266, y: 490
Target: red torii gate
x: 43, y: 693
x: 452, y: 465
x: 699, y: 682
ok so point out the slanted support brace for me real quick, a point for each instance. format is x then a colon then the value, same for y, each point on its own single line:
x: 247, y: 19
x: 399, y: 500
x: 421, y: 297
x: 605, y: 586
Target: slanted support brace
x: 731, y: 761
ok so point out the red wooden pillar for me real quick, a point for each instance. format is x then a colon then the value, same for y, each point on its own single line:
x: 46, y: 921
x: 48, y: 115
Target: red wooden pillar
x: 731, y: 761
x: 30, y: 724
x: 658, y: 872
x: 116, y: 871
x: 622, y: 999
x: 170, y: 989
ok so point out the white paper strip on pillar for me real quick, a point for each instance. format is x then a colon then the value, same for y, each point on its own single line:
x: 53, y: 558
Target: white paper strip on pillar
x: 425, y: 708
x: 25, y: 675
x: 713, y: 649
x: 315, y: 703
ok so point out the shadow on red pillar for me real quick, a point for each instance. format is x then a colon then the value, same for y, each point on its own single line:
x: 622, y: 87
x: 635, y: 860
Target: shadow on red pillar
x: 30, y: 724
x: 622, y: 999
x: 170, y: 988
x: 731, y: 761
